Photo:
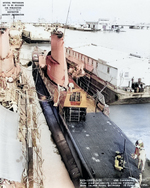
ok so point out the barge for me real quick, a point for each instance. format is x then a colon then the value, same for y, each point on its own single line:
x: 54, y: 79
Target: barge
x: 32, y: 34
x: 91, y: 145
x: 118, y: 72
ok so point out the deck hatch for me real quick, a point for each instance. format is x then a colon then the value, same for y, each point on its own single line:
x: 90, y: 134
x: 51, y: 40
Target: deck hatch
x: 75, y: 98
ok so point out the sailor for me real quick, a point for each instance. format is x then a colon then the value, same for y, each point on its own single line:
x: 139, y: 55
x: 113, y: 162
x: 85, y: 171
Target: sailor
x: 139, y: 154
x: 119, y: 161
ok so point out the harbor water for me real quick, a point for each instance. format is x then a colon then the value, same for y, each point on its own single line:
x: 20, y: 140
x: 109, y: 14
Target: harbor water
x: 134, y: 120
x: 135, y: 41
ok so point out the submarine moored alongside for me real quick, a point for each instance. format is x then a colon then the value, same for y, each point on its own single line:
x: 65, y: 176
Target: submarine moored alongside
x: 91, y: 145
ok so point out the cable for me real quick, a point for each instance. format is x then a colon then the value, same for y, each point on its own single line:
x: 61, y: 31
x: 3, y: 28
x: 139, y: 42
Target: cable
x: 48, y: 98
x: 23, y: 94
x: 67, y: 17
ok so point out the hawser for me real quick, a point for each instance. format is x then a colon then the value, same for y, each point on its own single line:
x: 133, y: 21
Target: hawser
x: 91, y: 145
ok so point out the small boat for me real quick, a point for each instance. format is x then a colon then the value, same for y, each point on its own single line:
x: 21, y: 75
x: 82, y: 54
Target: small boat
x: 91, y: 145
x: 33, y: 34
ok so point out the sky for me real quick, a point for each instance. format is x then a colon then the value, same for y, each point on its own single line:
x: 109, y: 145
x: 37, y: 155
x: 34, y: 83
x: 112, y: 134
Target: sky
x: 83, y: 10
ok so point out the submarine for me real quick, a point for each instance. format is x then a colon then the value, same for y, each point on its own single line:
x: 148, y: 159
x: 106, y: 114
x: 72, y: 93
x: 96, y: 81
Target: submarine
x: 93, y: 148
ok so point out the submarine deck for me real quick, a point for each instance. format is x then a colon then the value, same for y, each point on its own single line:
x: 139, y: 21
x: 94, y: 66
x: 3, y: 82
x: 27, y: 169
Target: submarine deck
x: 98, y: 139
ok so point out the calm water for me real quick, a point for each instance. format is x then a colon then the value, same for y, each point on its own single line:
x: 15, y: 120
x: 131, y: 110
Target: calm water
x: 131, y: 40
x: 134, y: 119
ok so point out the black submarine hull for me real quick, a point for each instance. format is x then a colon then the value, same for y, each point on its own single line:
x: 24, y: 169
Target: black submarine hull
x: 87, y: 148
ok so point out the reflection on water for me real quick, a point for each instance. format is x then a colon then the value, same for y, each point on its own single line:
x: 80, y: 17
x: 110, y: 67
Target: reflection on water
x: 134, y: 120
